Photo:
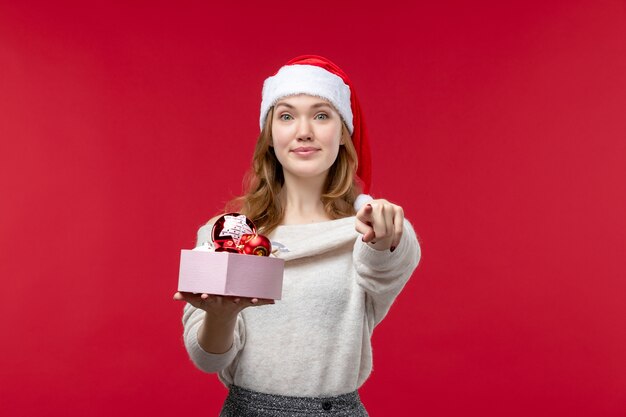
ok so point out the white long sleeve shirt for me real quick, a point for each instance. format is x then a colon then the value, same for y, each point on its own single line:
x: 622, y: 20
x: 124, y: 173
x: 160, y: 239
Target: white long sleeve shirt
x: 315, y: 341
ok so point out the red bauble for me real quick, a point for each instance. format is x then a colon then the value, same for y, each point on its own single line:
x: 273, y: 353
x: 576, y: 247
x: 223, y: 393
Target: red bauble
x: 258, y: 245
x: 235, y: 233
x: 226, y: 246
x: 231, y: 227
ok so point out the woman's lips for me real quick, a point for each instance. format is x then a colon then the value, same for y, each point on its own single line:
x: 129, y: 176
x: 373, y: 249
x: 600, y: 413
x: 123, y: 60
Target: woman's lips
x: 304, y: 151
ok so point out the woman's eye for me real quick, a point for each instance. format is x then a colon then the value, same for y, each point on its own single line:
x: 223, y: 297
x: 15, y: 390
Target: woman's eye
x: 321, y: 116
x: 285, y: 117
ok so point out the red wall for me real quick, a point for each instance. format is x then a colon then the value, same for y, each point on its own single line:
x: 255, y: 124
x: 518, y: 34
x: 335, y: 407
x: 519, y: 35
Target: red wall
x: 499, y: 126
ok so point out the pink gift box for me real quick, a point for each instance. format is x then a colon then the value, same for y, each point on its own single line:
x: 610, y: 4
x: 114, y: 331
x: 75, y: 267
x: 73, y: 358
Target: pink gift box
x: 224, y: 273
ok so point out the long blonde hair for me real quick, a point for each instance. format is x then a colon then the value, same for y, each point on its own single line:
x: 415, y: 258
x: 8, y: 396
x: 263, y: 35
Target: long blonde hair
x: 263, y: 182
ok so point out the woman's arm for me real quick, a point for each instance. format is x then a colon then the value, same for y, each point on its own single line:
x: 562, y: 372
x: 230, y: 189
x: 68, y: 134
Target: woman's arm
x: 385, y: 257
x: 213, y: 329
x: 215, y: 335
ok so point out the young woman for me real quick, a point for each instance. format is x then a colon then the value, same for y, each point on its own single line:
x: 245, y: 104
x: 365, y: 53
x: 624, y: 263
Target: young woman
x: 347, y: 256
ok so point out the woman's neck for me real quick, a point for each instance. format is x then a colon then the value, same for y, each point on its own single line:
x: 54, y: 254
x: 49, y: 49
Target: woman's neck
x: 301, y: 198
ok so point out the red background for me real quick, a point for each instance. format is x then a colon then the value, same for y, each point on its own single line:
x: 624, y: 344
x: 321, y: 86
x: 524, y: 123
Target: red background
x: 499, y: 126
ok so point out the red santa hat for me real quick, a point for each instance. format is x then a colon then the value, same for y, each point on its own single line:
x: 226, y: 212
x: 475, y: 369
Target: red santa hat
x: 318, y: 76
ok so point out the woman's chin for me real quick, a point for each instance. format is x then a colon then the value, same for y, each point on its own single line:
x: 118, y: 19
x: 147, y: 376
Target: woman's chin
x: 305, y: 174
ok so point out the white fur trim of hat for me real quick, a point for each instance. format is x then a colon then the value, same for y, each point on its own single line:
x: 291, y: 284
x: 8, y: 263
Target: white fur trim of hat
x: 361, y: 200
x: 307, y: 79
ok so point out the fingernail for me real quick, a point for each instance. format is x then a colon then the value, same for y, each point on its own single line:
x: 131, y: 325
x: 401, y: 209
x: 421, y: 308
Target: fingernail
x: 392, y: 248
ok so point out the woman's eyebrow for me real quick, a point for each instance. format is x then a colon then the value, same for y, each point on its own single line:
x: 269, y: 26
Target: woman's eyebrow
x: 317, y: 105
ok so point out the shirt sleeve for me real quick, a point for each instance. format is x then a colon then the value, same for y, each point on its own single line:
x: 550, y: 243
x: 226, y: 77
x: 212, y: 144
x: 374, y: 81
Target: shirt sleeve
x: 205, y: 361
x: 383, y: 274
x: 192, y: 320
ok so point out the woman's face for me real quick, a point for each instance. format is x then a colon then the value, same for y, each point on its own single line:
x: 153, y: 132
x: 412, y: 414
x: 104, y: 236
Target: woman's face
x: 306, y: 135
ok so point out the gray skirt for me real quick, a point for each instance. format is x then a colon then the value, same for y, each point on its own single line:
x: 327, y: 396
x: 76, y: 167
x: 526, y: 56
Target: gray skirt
x: 245, y: 403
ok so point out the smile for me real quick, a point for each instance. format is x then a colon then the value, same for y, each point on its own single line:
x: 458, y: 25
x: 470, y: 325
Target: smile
x: 305, y: 151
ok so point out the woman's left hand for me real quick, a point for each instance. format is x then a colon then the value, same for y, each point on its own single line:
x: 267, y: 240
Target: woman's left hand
x: 380, y: 222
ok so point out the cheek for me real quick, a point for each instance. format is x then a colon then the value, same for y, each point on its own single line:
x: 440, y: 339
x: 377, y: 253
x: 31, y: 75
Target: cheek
x: 280, y: 146
x: 334, y: 138
x: 280, y: 137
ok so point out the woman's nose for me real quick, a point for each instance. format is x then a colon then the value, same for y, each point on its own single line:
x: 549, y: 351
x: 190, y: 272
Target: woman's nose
x: 304, y: 131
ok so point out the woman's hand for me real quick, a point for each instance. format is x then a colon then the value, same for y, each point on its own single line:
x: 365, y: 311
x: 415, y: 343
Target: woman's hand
x: 217, y: 331
x: 380, y: 222
x: 218, y: 306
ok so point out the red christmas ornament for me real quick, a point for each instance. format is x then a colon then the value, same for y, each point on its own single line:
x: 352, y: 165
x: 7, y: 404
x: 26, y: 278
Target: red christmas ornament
x: 258, y: 245
x: 235, y: 233
x: 229, y: 229
x: 226, y: 246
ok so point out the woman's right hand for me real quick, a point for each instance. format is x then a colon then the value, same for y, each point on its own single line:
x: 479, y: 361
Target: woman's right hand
x: 216, y: 333
x: 220, y: 306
